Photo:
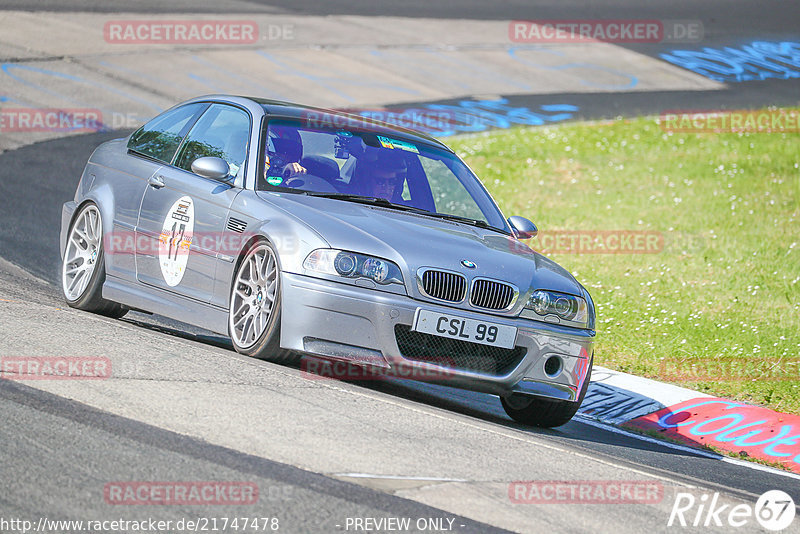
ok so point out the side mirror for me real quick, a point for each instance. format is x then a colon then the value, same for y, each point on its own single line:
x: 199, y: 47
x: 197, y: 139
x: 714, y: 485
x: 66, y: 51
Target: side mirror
x: 524, y: 228
x: 211, y: 167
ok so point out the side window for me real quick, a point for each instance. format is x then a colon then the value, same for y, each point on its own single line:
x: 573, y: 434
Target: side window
x: 160, y: 137
x: 222, y: 131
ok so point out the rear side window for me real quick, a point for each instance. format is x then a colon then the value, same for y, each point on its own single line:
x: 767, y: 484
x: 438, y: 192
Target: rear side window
x: 223, y: 132
x: 159, y: 138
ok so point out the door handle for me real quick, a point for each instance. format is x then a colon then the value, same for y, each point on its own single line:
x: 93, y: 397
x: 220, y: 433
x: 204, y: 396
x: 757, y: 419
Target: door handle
x: 156, y: 182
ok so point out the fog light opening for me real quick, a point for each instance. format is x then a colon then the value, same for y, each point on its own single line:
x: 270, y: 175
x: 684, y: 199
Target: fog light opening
x: 553, y: 366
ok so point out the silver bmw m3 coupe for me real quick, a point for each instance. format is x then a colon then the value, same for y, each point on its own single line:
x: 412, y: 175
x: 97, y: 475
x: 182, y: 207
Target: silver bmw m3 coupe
x: 296, y: 230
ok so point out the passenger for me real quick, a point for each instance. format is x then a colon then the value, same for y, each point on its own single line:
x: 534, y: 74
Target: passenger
x: 386, y: 176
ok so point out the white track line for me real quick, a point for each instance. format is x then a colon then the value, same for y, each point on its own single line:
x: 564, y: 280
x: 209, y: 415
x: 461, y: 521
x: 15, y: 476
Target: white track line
x: 397, y: 477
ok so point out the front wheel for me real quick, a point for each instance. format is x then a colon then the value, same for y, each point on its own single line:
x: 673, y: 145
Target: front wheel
x: 542, y: 412
x: 83, y: 268
x: 254, y: 318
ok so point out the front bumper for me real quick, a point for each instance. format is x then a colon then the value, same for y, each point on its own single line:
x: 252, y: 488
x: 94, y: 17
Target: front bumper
x: 347, y: 322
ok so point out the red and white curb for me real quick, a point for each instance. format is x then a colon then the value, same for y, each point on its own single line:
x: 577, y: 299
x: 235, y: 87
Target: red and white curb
x: 693, y: 419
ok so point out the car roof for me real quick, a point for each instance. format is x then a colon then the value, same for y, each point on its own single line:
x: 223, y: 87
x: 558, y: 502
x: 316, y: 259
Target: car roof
x: 290, y: 110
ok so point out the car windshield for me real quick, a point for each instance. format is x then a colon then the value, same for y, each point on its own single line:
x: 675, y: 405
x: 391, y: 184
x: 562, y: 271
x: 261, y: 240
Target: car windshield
x: 388, y: 170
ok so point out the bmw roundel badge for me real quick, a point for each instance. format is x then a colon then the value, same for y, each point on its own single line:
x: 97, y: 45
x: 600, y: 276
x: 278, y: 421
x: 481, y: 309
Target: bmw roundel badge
x: 468, y: 264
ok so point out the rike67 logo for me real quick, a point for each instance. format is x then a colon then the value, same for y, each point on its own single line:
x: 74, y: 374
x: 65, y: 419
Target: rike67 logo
x: 774, y: 511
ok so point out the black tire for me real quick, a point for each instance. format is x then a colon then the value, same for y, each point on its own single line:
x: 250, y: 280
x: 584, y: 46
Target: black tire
x: 546, y: 413
x: 90, y: 299
x: 266, y: 345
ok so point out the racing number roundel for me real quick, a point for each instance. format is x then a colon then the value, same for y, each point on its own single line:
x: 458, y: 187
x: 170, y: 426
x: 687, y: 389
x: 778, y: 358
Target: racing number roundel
x: 175, y: 240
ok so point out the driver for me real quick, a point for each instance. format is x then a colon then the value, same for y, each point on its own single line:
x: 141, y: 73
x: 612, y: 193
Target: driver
x: 388, y: 174
x: 288, y: 170
x: 284, y: 150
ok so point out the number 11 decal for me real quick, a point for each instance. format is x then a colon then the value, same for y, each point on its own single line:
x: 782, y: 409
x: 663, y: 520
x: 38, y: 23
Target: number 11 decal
x: 176, y: 239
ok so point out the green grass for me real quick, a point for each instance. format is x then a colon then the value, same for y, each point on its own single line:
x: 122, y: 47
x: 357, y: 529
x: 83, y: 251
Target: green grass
x: 725, y: 290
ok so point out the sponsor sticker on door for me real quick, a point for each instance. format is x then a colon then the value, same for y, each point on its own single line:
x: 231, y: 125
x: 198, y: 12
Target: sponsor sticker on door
x: 176, y: 240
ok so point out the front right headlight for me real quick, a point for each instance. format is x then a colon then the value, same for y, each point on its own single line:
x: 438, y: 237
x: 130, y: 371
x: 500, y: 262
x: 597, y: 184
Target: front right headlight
x: 554, y: 307
x: 352, y: 265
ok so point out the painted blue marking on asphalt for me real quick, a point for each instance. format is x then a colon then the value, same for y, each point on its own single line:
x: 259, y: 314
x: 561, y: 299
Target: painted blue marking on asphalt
x: 101, y: 126
x: 559, y: 107
x: 759, y: 60
x: 479, y: 115
x: 6, y: 67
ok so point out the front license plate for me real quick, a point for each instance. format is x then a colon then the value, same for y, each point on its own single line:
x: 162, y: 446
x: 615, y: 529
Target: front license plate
x: 453, y: 327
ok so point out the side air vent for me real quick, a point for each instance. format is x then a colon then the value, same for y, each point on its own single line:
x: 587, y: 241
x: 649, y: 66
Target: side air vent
x: 236, y: 225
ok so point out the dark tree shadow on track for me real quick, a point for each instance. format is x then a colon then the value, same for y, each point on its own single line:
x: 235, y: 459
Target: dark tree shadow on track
x: 35, y: 181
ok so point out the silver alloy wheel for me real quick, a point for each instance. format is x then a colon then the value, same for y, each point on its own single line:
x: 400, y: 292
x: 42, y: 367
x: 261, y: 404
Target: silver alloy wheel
x: 82, y: 251
x: 253, y: 298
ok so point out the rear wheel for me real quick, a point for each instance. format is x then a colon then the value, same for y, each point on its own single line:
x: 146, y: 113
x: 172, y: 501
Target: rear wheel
x: 254, y: 318
x: 543, y: 412
x: 83, y: 268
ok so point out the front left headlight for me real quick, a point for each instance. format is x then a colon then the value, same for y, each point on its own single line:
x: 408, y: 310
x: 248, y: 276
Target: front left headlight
x: 555, y: 307
x: 352, y: 265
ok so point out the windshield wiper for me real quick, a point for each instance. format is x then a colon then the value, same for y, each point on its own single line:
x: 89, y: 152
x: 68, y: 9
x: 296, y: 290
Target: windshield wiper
x: 378, y: 201
x: 382, y: 202
x: 466, y: 220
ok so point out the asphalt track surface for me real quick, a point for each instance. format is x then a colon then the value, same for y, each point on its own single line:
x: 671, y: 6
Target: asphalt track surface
x: 58, y: 451
x: 68, y: 436
x: 730, y: 22
x: 721, y: 17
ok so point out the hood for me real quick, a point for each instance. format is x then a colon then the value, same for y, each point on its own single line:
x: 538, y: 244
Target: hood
x: 412, y: 241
